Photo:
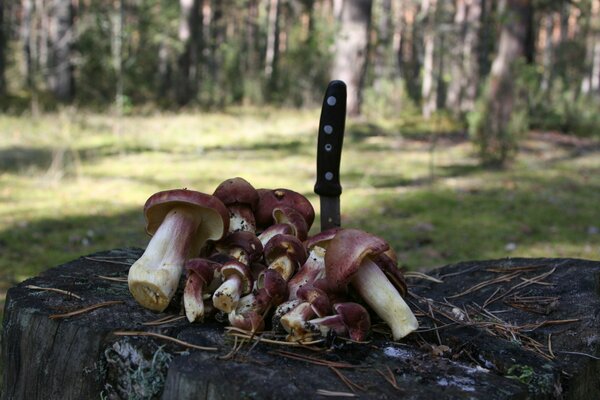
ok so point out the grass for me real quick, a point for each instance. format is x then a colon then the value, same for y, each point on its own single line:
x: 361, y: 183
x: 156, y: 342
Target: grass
x: 73, y: 183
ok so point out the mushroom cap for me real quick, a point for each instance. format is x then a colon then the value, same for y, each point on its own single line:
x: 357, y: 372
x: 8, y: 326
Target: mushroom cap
x: 237, y: 190
x: 392, y: 272
x: 322, y: 238
x: 346, y: 252
x: 202, y: 268
x: 241, y: 270
x: 213, y: 213
x: 356, y: 319
x: 318, y: 299
x: 272, y: 288
x: 277, y: 229
x: 245, y: 240
x: 290, y: 216
x: 270, y: 199
x: 288, y: 245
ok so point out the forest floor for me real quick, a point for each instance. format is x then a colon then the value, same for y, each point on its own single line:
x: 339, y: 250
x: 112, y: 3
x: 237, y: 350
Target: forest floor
x: 74, y: 183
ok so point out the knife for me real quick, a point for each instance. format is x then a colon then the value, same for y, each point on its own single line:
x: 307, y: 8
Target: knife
x: 329, y: 153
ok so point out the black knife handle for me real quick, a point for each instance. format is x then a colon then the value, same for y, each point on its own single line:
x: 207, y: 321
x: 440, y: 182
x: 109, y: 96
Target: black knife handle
x: 331, y: 139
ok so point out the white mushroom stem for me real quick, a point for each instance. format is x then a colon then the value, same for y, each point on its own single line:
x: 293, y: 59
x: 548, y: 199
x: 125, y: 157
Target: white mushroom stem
x: 378, y: 292
x: 227, y: 296
x: 313, y: 269
x: 193, y: 300
x: 241, y: 218
x: 154, y: 277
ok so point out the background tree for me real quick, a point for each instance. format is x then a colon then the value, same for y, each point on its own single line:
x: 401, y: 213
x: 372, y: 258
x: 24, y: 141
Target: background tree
x: 351, y: 48
x: 498, y: 123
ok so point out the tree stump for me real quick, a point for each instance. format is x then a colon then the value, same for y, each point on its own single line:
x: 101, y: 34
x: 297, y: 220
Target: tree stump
x: 503, y: 329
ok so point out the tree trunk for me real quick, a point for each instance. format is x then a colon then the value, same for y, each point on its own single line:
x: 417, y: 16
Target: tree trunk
x: 61, y: 37
x: 591, y: 80
x: 464, y: 83
x: 123, y: 351
x: 189, y: 35
x: 383, y: 64
x: 272, y: 50
x: 351, y: 47
x: 3, y: 32
x: 497, y: 133
x: 428, y: 86
x: 26, y: 32
x: 408, y: 60
x: 547, y: 51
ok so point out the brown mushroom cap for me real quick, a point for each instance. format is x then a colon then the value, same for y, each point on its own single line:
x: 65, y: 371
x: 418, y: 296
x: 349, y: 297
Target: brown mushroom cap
x: 345, y: 253
x: 285, y: 245
x: 244, y: 240
x: 213, y: 213
x: 202, y: 268
x: 356, y: 319
x: 237, y: 191
x: 321, y: 239
x: 270, y: 199
x: 290, y: 216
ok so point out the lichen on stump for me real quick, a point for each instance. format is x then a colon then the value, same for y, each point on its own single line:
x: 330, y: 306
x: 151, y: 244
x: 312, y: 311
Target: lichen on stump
x: 519, y: 328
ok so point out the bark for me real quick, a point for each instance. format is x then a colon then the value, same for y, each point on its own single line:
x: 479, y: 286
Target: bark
x: 549, y: 330
x: 496, y: 139
x: 465, y: 73
x: 272, y: 50
x: 547, y: 51
x: 189, y: 35
x: 429, y: 84
x: 26, y: 32
x: 61, y: 79
x: 3, y: 31
x: 591, y: 81
x: 408, y: 60
x: 351, y: 49
x: 383, y: 64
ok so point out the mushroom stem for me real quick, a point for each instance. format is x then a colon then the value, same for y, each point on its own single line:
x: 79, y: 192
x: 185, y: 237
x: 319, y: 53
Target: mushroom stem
x: 227, y: 296
x: 154, y: 277
x: 193, y: 298
x: 377, y: 291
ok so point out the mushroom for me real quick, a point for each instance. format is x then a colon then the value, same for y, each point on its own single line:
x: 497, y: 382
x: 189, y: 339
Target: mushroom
x: 277, y: 229
x: 350, y: 318
x: 244, y: 246
x: 241, y: 199
x: 314, y: 267
x: 354, y: 257
x: 180, y: 221
x: 315, y: 303
x: 269, y: 200
x: 200, y: 274
x: 237, y: 281
x: 285, y: 253
x: 271, y: 290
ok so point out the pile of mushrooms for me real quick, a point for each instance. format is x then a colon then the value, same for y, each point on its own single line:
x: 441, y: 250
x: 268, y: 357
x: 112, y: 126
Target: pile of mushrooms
x: 245, y: 252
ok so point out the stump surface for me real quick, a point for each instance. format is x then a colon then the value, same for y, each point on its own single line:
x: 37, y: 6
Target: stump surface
x: 503, y: 329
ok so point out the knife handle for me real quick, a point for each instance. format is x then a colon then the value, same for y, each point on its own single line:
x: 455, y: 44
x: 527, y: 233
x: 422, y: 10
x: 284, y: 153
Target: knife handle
x: 330, y: 140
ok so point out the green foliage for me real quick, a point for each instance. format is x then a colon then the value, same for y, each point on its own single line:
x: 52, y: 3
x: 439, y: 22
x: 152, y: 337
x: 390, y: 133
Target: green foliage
x: 538, y: 383
x: 500, y: 120
x: 389, y: 100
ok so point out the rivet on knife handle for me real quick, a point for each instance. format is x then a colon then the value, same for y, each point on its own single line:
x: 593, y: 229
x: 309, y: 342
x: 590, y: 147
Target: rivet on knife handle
x: 329, y: 153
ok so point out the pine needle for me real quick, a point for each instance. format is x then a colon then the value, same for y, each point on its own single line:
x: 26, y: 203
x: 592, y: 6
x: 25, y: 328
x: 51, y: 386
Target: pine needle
x: 329, y: 393
x: 85, y: 310
x: 113, y: 278
x: 55, y: 290
x: 165, y: 320
x: 164, y: 337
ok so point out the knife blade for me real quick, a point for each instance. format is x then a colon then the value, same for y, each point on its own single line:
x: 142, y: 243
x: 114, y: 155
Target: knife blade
x: 329, y: 153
